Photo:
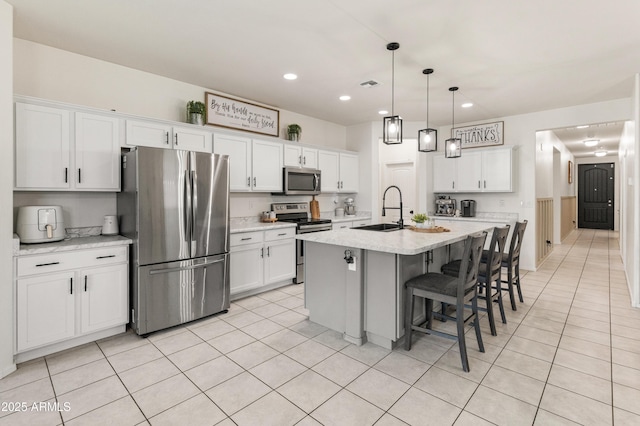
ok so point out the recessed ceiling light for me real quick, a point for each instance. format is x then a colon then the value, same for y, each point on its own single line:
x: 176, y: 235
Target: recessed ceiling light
x: 383, y: 112
x: 584, y: 126
x: 600, y: 153
x: 591, y: 142
x: 345, y: 97
x: 467, y: 105
x: 290, y: 76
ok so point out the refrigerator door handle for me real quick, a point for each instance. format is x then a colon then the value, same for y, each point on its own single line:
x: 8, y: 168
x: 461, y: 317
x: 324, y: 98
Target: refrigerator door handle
x: 184, y: 268
x: 188, y: 208
x: 194, y: 208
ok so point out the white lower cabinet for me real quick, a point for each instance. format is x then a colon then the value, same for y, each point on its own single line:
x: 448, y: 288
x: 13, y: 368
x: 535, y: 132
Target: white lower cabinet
x: 261, y: 258
x: 61, y: 296
x: 103, y: 297
x: 46, y: 309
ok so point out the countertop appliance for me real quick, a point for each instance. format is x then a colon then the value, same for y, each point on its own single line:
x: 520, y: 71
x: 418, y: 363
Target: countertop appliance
x: 40, y: 224
x: 174, y: 205
x: 445, y: 206
x: 300, y: 181
x: 349, y: 207
x: 110, y: 225
x: 298, y: 213
x: 467, y: 208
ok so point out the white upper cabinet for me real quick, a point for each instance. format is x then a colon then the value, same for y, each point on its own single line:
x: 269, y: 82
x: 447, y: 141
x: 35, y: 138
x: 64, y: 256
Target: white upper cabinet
x: 497, y: 170
x: 339, y: 171
x: 97, y: 151
x: 469, y: 165
x: 255, y: 165
x: 267, y: 165
x: 42, y: 147
x: 145, y: 133
x: 192, y: 139
x: 444, y: 174
x: 329, y: 165
x: 239, y: 151
x: 50, y: 157
x: 478, y: 170
x: 299, y: 156
x: 349, y: 172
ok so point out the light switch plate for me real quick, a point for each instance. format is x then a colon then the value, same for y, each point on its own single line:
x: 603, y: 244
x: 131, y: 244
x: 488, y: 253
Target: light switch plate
x: 352, y: 266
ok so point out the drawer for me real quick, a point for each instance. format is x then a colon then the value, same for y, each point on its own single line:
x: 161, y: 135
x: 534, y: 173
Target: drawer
x: 54, y: 262
x: 247, y: 238
x: 342, y: 225
x: 279, y: 234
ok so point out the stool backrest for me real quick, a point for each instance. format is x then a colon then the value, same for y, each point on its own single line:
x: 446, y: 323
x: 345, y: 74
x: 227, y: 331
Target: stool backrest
x: 516, y: 243
x: 494, y: 257
x: 473, y: 246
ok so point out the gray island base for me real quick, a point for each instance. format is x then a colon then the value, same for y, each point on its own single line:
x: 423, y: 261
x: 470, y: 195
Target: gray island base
x: 354, y: 278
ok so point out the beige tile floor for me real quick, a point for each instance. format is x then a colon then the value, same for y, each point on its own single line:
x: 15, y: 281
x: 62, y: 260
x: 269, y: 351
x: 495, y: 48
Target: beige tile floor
x: 569, y: 355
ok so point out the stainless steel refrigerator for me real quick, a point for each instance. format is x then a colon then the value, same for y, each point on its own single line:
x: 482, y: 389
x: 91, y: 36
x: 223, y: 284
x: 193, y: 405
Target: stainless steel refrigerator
x: 174, y: 205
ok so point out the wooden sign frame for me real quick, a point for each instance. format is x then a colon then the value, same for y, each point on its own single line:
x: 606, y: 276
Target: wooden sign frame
x: 235, y: 114
x: 480, y: 135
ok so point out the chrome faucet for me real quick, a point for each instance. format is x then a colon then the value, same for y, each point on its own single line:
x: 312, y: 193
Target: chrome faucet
x: 400, y: 222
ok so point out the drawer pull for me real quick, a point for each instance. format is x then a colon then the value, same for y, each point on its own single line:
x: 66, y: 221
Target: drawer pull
x: 70, y: 285
x: 48, y: 264
x: 106, y: 257
x: 282, y: 235
x: 246, y: 239
x: 85, y: 283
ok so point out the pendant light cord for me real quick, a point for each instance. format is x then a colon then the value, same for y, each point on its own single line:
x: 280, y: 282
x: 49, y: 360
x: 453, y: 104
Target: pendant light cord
x: 427, y: 101
x: 393, y: 78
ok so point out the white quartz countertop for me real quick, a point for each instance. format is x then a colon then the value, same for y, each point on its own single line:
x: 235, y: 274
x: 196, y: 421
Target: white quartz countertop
x: 345, y: 218
x: 405, y: 241
x: 73, y: 244
x: 238, y: 225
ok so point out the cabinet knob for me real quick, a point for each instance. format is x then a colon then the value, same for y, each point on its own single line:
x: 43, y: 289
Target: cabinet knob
x: 166, y: 137
x: 176, y: 137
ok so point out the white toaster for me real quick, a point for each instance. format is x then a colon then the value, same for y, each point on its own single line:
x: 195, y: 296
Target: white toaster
x: 40, y: 224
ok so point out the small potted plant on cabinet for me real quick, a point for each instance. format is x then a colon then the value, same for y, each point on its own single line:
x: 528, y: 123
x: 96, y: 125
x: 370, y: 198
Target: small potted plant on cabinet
x: 294, y: 131
x: 195, y: 112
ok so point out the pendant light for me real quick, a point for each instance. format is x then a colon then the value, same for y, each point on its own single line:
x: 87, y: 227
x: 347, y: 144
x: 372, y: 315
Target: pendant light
x: 392, y: 125
x: 427, y: 138
x: 453, y: 146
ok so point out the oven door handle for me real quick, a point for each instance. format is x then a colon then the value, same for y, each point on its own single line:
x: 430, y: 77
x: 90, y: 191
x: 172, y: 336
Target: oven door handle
x: 314, y: 228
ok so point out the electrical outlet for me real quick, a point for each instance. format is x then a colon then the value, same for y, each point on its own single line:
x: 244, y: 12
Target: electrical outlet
x: 352, y: 265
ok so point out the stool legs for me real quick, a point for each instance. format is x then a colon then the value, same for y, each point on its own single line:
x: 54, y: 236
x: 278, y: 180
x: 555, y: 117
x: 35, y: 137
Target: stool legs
x: 518, y: 283
x: 492, y: 321
x: 408, y: 317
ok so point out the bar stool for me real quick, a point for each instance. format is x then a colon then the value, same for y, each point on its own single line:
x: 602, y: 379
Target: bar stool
x: 511, y: 261
x: 456, y: 291
x: 488, y: 273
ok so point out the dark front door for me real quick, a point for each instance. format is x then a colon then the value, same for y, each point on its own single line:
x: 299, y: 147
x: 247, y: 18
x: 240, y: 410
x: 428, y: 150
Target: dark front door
x: 595, y: 196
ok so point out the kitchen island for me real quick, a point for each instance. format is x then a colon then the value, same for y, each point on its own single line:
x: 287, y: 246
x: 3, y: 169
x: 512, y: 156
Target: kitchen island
x: 354, y: 278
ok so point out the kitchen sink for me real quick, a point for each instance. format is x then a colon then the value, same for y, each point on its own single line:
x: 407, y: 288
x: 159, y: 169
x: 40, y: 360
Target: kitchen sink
x: 383, y: 227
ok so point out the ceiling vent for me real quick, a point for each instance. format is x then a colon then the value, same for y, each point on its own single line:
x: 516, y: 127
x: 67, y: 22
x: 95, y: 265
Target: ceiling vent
x: 370, y: 83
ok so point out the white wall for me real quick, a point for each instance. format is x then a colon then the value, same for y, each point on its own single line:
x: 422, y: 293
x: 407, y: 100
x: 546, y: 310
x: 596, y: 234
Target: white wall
x: 630, y: 193
x: 520, y: 131
x: 49, y: 73
x: 6, y: 188
x: 45, y: 72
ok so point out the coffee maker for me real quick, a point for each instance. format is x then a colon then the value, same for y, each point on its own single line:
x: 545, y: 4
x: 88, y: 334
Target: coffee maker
x: 468, y: 208
x: 445, y: 206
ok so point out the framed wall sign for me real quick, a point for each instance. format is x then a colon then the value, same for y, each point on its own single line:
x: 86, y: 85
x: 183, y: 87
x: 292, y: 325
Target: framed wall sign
x: 240, y: 115
x: 477, y: 135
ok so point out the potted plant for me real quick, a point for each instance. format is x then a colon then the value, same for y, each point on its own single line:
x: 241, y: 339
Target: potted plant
x: 294, y: 131
x: 195, y: 112
x: 420, y: 219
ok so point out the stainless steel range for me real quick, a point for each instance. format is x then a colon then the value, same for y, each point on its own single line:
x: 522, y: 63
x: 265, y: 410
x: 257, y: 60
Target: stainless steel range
x: 298, y: 213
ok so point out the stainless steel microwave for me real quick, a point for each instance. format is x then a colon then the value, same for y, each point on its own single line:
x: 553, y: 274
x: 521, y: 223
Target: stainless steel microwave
x: 300, y: 181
